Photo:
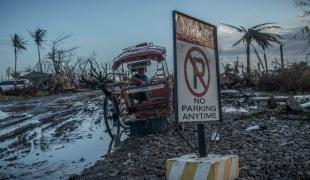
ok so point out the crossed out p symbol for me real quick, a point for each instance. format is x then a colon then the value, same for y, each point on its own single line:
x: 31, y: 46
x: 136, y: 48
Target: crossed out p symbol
x: 199, y: 76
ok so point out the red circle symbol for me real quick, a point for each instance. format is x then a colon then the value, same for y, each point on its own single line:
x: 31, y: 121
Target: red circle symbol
x: 198, y: 74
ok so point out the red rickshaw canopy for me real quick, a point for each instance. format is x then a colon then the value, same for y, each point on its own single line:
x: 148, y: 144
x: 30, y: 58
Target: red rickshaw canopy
x: 154, y: 53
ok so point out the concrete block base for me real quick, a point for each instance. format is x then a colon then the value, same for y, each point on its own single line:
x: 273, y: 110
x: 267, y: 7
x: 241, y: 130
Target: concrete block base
x: 212, y: 167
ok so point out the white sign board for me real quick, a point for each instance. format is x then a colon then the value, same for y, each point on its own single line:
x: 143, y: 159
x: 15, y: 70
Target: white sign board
x: 196, y: 70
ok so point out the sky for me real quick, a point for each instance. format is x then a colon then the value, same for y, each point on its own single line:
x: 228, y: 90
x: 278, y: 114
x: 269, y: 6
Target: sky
x: 107, y: 27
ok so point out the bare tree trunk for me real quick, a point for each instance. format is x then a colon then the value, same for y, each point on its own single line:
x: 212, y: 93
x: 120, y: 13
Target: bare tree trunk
x: 281, y: 53
x: 266, y: 64
x: 15, y: 53
x: 40, y: 59
x: 258, y: 57
x: 248, y: 63
x: 58, y: 63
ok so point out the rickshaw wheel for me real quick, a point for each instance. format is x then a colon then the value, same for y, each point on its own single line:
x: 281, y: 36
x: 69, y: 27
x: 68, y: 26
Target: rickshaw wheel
x: 123, y: 124
x: 111, y: 117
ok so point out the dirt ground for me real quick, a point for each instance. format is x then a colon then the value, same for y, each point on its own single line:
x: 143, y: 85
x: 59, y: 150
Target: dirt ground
x: 63, y: 136
x: 279, y: 149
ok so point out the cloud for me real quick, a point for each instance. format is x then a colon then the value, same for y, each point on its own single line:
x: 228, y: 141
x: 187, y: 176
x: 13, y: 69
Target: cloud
x: 224, y: 30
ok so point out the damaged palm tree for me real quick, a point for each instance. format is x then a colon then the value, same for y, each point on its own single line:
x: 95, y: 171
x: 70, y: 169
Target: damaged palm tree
x: 256, y: 35
x: 38, y: 36
x: 19, y: 45
x: 58, y: 56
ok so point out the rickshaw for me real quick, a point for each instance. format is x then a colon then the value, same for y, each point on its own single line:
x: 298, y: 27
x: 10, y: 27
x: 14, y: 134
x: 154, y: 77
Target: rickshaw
x: 122, y: 108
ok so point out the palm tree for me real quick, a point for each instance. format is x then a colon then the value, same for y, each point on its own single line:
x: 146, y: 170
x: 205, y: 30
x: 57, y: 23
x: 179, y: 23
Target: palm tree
x: 38, y: 36
x: 19, y: 45
x: 256, y: 35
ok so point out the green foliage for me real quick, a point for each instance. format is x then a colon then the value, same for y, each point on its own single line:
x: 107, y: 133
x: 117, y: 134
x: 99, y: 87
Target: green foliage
x: 268, y: 82
x: 249, y: 80
x: 295, y: 78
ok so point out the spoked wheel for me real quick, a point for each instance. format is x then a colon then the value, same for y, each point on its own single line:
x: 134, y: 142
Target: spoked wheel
x: 111, y: 117
x: 122, y: 123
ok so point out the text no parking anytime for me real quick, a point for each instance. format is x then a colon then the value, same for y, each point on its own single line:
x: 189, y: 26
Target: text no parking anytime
x: 196, y: 70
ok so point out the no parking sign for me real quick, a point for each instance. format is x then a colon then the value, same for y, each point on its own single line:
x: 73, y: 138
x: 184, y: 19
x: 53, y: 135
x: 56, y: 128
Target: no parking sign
x: 196, y: 69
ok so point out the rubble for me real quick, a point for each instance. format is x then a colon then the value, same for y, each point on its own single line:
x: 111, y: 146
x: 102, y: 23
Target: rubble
x: 306, y: 107
x: 42, y: 132
x: 252, y: 128
x: 296, y: 107
x: 280, y: 148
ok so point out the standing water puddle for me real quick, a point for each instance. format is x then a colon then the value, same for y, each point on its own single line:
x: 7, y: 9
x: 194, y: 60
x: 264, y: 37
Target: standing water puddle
x: 55, y: 145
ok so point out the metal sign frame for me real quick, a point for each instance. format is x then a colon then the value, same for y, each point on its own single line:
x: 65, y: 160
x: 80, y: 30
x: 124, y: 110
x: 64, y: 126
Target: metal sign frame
x: 215, y: 42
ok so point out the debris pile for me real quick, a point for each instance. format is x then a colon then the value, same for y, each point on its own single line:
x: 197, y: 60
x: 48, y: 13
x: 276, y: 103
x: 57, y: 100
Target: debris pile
x: 273, y: 144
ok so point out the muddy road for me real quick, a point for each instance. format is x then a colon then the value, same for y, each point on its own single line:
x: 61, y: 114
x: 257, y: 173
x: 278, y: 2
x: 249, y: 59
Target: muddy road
x: 52, y: 137
x: 63, y: 136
